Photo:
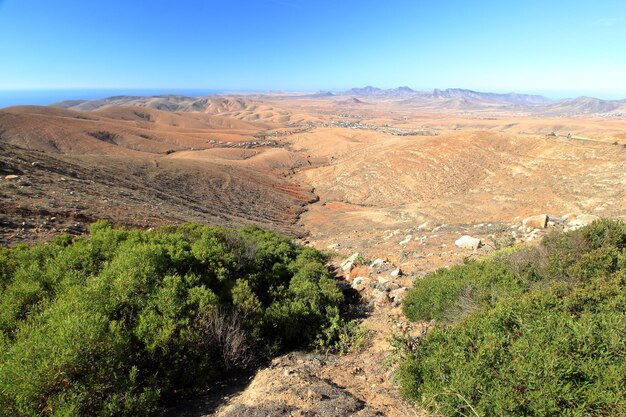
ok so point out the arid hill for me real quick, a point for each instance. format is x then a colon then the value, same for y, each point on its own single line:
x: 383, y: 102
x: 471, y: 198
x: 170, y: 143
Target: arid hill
x: 121, y: 163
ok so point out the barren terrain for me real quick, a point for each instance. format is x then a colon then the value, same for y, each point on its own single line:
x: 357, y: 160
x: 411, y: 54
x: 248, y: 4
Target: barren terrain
x: 395, y: 176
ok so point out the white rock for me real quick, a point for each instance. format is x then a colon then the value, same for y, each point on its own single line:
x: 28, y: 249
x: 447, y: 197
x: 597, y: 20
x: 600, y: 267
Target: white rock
x: 377, y: 262
x: 397, y: 295
x: 396, y: 272
x: 348, y: 263
x: 406, y: 240
x: 581, y: 220
x: 468, y: 242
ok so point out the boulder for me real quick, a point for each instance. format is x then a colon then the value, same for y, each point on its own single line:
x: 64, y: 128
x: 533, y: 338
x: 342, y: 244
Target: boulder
x: 539, y: 221
x: 581, y: 220
x: 11, y: 177
x: 396, y: 272
x: 348, y: 263
x: 468, y: 242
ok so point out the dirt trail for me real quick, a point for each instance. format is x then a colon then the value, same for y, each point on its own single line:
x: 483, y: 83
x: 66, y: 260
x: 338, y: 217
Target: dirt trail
x: 314, y: 384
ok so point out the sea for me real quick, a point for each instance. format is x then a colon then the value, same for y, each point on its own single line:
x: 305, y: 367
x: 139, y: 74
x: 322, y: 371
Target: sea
x: 46, y: 97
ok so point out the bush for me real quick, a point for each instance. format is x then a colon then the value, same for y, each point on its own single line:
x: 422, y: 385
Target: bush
x: 450, y: 294
x: 116, y: 323
x: 555, y: 345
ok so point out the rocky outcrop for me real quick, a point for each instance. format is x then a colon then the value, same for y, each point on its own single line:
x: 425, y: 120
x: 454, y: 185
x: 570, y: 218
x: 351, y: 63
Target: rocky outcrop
x: 468, y: 242
x: 575, y: 222
x: 539, y: 221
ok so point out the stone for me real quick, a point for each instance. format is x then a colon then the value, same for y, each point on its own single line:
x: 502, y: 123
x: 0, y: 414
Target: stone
x: 539, y: 221
x: 377, y: 262
x: 358, y: 280
x: 406, y: 240
x: 359, y: 283
x: 382, y: 280
x: 348, y: 263
x: 11, y: 177
x: 396, y: 272
x: 381, y: 298
x: 581, y: 220
x: 468, y: 242
x: 313, y: 396
x: 382, y: 284
x: 398, y: 295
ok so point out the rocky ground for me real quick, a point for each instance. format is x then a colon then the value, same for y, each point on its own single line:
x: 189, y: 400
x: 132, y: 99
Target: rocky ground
x: 361, y: 383
x: 43, y: 195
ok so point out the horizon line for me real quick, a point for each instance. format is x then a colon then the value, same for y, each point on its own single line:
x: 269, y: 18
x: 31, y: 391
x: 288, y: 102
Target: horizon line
x: 218, y: 91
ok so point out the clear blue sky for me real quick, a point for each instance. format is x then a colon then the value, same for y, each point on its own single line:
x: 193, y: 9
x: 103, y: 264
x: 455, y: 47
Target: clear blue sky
x: 558, y: 48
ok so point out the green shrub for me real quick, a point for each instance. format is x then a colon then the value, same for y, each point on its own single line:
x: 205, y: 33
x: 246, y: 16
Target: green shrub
x: 450, y: 294
x: 555, y: 345
x: 114, y: 323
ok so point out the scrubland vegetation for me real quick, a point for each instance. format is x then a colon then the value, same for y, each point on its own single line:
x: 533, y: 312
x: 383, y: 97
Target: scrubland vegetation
x: 535, y: 331
x: 117, y: 322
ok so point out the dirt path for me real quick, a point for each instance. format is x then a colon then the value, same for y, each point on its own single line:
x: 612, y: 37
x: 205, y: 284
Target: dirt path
x: 314, y: 384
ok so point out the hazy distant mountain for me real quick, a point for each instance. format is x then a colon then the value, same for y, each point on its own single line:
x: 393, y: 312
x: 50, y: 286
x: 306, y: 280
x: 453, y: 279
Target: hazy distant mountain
x: 584, y: 105
x: 448, y: 99
x: 365, y: 91
x: 508, y: 98
x: 455, y: 94
x: 469, y: 100
x: 379, y: 92
x: 167, y: 102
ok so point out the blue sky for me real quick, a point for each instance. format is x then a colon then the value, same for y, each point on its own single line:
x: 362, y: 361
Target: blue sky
x: 557, y: 48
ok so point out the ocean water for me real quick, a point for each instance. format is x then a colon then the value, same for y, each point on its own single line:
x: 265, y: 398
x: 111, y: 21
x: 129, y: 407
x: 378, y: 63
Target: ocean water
x: 45, y: 97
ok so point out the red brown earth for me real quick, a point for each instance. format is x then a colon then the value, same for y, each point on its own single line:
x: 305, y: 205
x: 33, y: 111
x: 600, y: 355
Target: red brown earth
x: 379, y: 175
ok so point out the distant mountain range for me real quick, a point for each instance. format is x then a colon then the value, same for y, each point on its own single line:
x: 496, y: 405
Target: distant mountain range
x: 452, y: 99
x: 468, y: 100
x: 451, y: 93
